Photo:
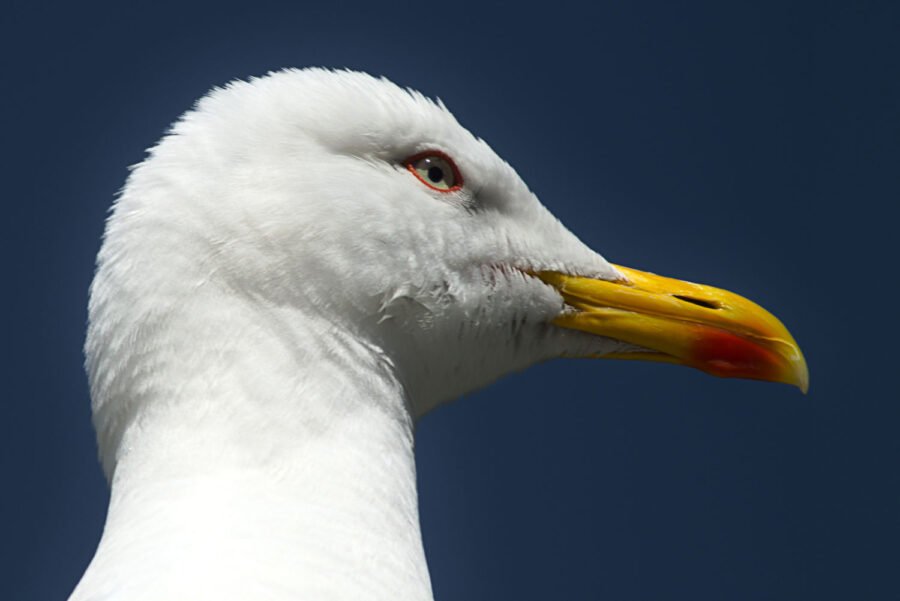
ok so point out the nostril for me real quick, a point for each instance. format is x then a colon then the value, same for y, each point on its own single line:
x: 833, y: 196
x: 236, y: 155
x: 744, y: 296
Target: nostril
x: 698, y: 301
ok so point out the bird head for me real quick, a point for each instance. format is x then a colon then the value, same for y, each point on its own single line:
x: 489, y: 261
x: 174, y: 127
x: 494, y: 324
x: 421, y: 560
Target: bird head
x: 367, y: 209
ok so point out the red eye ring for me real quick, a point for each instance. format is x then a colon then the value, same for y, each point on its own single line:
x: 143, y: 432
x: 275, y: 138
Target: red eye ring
x: 442, y: 157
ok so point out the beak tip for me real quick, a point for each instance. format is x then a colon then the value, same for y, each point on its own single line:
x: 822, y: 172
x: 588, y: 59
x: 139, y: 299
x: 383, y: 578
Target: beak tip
x: 801, y: 375
x: 797, y: 371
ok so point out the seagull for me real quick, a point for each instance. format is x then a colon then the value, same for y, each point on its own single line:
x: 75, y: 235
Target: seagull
x: 302, y: 267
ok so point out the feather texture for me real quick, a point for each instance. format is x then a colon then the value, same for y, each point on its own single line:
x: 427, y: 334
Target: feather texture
x: 277, y: 299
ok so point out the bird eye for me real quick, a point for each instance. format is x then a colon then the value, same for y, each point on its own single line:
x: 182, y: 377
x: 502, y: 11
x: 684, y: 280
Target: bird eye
x: 436, y: 170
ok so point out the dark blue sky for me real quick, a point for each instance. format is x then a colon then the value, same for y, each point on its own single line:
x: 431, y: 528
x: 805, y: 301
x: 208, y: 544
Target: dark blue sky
x: 754, y: 146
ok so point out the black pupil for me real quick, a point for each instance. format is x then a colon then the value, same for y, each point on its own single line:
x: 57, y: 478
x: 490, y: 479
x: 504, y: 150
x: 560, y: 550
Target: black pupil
x: 435, y: 174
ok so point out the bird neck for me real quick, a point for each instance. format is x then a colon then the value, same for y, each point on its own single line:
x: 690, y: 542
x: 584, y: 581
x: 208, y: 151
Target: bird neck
x: 296, y: 481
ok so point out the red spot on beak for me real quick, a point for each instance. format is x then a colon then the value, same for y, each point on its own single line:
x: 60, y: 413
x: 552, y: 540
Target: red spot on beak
x: 728, y: 355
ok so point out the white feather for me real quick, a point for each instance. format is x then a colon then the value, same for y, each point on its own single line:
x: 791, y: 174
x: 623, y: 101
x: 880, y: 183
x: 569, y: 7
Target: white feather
x: 277, y: 299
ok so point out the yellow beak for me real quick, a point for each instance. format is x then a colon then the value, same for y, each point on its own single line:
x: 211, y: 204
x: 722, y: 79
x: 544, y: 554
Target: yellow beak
x: 713, y: 330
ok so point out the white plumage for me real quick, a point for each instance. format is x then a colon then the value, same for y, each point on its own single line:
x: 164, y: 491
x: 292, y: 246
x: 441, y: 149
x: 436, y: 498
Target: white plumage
x: 277, y: 300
